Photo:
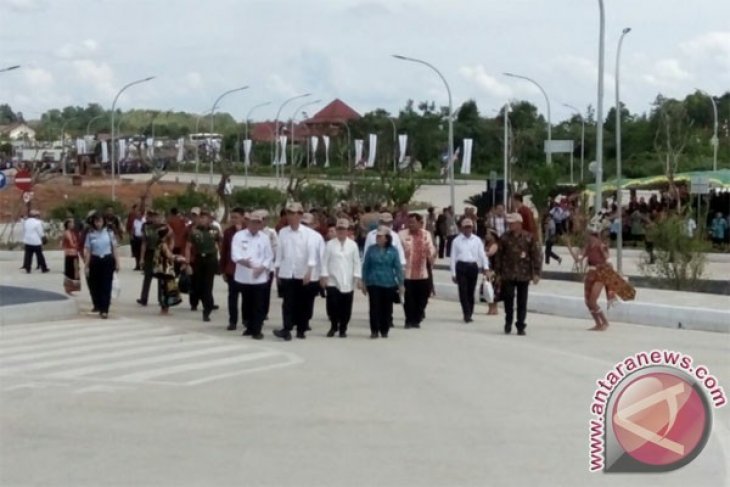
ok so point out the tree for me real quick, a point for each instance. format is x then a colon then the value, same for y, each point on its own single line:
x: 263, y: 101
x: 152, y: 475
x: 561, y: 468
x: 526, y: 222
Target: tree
x: 672, y: 135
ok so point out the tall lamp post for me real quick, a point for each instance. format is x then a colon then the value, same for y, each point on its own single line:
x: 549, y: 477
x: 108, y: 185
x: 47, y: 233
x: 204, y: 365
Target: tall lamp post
x: 715, y: 140
x: 276, y: 132
x: 582, y: 137
x: 212, y: 122
x: 451, y: 124
x: 291, y: 131
x: 114, y: 148
x: 245, y: 137
x: 395, y: 144
x: 507, y: 109
x: 93, y: 119
x: 548, y: 153
x: 599, y: 110
x: 619, y: 236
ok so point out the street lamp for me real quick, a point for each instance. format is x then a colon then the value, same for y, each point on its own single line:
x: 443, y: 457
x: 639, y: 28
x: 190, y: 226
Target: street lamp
x: 294, y: 115
x: 599, y: 110
x: 715, y: 140
x: 619, y: 236
x: 245, y: 124
x: 114, y: 151
x: 395, y: 144
x: 88, y: 125
x: 9, y: 68
x: 451, y: 124
x: 548, y: 152
x: 212, y: 122
x: 276, y: 132
x: 507, y: 109
x: 582, y: 139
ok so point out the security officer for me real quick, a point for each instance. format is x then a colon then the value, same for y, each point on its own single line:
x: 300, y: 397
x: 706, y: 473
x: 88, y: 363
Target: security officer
x: 150, y: 239
x: 203, y: 245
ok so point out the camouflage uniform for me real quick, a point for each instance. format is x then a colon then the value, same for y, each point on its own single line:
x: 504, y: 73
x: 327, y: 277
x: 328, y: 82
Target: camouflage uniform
x: 204, y: 242
x: 519, y: 261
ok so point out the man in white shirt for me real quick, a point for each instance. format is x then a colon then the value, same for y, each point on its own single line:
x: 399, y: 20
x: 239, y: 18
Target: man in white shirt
x: 296, y: 259
x: 467, y: 260
x: 386, y: 219
x: 33, y: 236
x: 341, y: 271
x: 252, y: 253
x: 274, y: 239
x: 313, y: 289
x: 137, y: 238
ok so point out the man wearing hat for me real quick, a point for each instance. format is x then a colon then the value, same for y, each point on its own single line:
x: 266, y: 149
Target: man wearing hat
x: 251, y: 251
x: 341, y: 271
x: 519, y: 262
x: 420, y: 254
x: 149, y: 238
x: 203, y: 243
x: 386, y: 219
x: 238, y: 221
x: 467, y: 260
x: 295, y: 262
x: 313, y: 288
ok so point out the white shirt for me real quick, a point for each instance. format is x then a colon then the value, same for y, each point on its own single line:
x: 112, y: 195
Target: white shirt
x: 295, y: 255
x: 341, y: 264
x: 33, y: 231
x: 370, y: 241
x: 691, y: 226
x: 274, y: 239
x: 256, y: 248
x: 469, y: 249
x: 317, y: 243
x: 137, y: 225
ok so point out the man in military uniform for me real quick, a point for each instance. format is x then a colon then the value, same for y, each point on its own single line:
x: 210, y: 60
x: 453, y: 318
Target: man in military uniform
x: 203, y: 246
x: 150, y: 239
x: 519, y: 262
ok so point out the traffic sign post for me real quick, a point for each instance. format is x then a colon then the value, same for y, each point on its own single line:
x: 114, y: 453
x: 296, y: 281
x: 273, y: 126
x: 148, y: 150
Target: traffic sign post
x: 24, y: 180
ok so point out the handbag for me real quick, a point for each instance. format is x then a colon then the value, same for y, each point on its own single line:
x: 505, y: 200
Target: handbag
x: 116, y: 286
x: 488, y: 291
x: 183, y: 283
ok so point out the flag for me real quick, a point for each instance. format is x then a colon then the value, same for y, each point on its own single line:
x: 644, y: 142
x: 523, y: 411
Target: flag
x: 466, y: 158
x: 282, y: 157
x: 122, y: 149
x: 247, y: 152
x: 402, y: 144
x: 326, y: 140
x: 80, y: 146
x: 313, y: 143
x: 358, y: 151
x: 180, y: 149
x: 150, y: 147
x: 104, y: 152
x: 372, y: 149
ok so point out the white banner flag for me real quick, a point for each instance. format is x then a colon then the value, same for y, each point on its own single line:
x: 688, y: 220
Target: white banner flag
x: 104, y: 152
x: 80, y: 146
x: 313, y: 144
x: 121, y: 149
x: 402, y: 143
x: 247, y: 152
x: 326, y: 140
x: 282, y: 157
x: 358, y: 151
x: 372, y: 149
x: 180, y: 149
x: 466, y: 157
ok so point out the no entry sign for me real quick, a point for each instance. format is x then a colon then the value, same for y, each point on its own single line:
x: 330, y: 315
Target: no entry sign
x: 23, y: 180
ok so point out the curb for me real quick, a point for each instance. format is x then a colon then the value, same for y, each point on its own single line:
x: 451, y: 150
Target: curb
x: 39, y: 312
x: 652, y: 314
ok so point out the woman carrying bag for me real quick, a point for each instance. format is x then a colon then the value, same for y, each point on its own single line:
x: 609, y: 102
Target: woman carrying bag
x: 168, y: 293
x: 382, y: 282
x: 70, y: 246
x: 491, y: 246
x: 102, y: 261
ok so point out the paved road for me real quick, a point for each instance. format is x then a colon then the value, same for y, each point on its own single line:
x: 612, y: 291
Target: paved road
x: 147, y: 400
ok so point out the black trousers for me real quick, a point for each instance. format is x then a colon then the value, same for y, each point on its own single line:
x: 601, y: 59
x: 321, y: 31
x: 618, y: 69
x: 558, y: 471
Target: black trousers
x: 36, y: 250
x: 267, y: 300
x: 339, y: 308
x: 253, y: 306
x: 146, y: 282
x: 416, y: 300
x: 235, y: 289
x: 442, y: 246
x: 467, y: 274
x: 549, y: 242
x: 311, y: 292
x: 381, y: 308
x: 136, y: 244
x: 293, y: 304
x: 508, y: 290
x: 449, y: 241
x: 101, y: 274
x: 204, y: 271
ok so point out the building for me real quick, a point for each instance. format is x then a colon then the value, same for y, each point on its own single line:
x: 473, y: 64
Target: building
x: 330, y: 120
x: 17, y: 131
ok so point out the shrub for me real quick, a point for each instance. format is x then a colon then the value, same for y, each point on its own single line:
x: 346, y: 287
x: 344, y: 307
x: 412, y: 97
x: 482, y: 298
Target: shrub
x: 319, y: 195
x: 82, y: 206
x: 264, y: 197
x: 185, y: 201
x: 401, y: 191
x: 679, y: 259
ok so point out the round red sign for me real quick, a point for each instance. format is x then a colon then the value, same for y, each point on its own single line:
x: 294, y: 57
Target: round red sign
x: 23, y: 180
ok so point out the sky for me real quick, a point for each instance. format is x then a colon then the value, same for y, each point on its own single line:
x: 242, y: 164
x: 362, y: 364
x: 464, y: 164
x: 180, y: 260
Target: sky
x: 75, y: 52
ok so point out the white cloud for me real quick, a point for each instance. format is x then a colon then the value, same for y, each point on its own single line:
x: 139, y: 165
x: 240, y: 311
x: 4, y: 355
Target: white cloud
x: 22, y: 5
x: 194, y: 80
x: 488, y: 83
x: 282, y: 87
x: 82, y: 49
x: 667, y: 73
x: 38, y: 78
x: 715, y: 45
x: 99, y: 76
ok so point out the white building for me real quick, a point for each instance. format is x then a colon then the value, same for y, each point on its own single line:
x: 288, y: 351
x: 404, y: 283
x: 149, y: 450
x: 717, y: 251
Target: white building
x: 17, y: 131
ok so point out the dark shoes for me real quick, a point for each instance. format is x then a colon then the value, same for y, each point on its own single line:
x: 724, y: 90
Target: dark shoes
x: 343, y: 334
x: 247, y: 332
x: 206, y: 316
x: 216, y: 307
x: 467, y: 319
x: 193, y: 308
x: 258, y: 336
x: 283, y: 334
x: 233, y: 328
x: 104, y: 315
x: 141, y: 303
x: 521, y: 332
x: 507, y: 329
x: 373, y: 336
x: 301, y: 335
x: 332, y: 332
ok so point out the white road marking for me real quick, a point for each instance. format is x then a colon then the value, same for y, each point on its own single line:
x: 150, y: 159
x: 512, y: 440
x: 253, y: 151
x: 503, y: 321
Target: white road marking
x: 54, y: 345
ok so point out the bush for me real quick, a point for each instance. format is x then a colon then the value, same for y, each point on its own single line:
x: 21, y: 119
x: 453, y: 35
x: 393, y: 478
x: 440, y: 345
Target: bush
x: 185, y: 201
x: 265, y: 197
x: 679, y: 259
x: 82, y: 206
x: 319, y: 195
x: 401, y: 191
x: 369, y: 192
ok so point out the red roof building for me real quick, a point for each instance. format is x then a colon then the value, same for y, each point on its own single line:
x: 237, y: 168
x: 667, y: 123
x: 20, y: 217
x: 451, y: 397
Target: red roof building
x: 336, y: 112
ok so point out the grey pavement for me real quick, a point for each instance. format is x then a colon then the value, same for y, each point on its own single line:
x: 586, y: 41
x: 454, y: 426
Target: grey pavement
x: 145, y: 400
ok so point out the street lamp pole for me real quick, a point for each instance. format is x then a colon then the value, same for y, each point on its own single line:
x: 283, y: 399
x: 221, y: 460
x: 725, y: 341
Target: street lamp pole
x: 548, y: 153
x: 88, y: 125
x: 276, y: 133
x: 114, y: 151
x: 245, y: 137
x: 619, y: 236
x: 451, y: 124
x: 507, y: 109
x: 212, y: 123
x: 599, y: 110
x: 582, y: 137
x: 715, y: 139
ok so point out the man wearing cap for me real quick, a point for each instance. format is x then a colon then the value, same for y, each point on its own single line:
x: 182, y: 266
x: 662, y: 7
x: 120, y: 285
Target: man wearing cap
x: 341, y: 271
x: 467, y: 260
x: 238, y: 220
x: 296, y: 258
x: 386, y: 219
x: 203, y: 243
x: 313, y: 288
x: 252, y: 253
x: 420, y: 253
x: 274, y: 239
x: 148, y: 243
x: 519, y: 262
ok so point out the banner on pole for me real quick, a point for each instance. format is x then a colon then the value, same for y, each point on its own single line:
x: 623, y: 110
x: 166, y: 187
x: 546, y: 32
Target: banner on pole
x: 247, y: 152
x: 466, y: 158
x: 326, y: 140
x: 313, y: 144
x: 402, y: 144
x: 282, y: 143
x: 180, y: 149
x: 358, y: 152
x: 372, y: 149
x: 122, y: 149
x: 104, y: 152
